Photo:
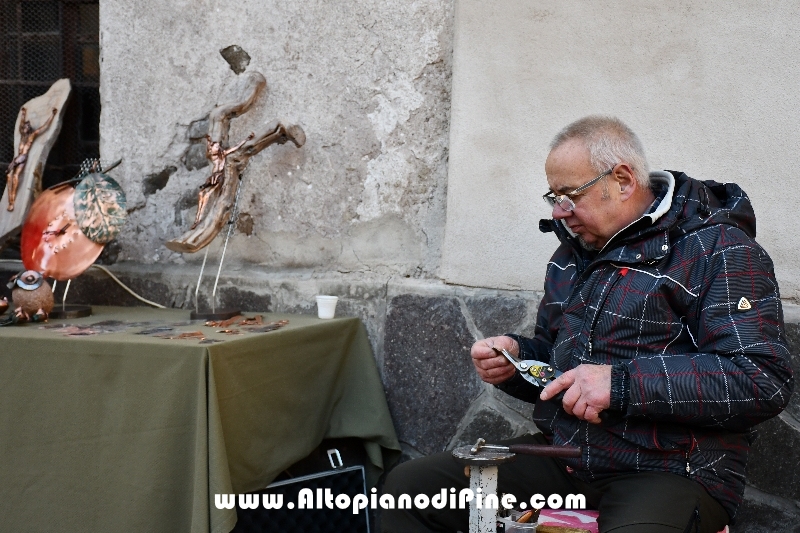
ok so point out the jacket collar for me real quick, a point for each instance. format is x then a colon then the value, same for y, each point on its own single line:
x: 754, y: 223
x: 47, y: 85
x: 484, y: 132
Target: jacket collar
x: 662, y: 178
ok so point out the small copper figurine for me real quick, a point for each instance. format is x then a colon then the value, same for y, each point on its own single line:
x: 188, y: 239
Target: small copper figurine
x: 216, y: 155
x: 32, y: 297
x: 27, y: 136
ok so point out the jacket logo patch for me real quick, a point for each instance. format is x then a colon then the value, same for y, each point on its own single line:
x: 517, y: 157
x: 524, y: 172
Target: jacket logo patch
x: 744, y: 304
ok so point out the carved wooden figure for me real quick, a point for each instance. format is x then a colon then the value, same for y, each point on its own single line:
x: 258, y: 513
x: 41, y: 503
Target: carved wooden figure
x: 26, y: 137
x: 218, y: 194
x: 31, y: 148
x: 217, y: 156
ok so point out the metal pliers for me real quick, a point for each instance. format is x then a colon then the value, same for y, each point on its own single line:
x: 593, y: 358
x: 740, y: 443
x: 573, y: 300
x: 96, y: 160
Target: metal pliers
x: 540, y: 374
x: 532, y: 371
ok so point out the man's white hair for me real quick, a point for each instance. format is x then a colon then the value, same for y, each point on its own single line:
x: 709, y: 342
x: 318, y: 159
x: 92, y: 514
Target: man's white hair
x: 609, y: 142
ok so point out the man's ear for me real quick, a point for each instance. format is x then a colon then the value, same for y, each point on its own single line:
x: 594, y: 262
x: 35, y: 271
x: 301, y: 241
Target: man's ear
x: 624, y: 179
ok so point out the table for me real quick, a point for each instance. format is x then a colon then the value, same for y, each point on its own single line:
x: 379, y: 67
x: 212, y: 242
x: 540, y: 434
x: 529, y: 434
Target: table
x: 127, y: 432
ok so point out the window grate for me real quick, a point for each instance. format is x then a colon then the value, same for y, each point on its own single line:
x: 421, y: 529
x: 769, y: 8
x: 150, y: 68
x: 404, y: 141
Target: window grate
x: 42, y: 41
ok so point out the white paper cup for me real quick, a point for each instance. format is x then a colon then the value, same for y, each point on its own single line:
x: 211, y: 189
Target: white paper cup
x: 326, y: 306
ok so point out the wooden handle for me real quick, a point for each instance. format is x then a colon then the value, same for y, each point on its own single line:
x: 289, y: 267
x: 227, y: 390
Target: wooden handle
x: 545, y: 450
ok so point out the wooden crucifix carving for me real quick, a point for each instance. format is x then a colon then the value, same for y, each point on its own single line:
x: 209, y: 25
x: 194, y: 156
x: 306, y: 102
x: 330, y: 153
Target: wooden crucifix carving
x: 27, y: 134
x: 35, y: 132
x: 217, y: 195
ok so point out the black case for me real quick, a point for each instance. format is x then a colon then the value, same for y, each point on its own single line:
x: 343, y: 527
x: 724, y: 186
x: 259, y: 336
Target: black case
x: 350, y: 481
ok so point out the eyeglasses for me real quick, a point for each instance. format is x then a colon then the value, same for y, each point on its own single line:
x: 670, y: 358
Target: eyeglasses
x: 565, y: 201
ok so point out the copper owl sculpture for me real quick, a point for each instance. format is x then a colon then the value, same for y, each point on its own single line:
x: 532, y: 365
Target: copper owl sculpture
x: 31, y: 296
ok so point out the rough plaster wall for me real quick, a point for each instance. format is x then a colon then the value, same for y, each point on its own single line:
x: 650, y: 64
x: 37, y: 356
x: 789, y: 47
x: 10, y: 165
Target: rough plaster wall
x: 368, y: 81
x: 707, y: 85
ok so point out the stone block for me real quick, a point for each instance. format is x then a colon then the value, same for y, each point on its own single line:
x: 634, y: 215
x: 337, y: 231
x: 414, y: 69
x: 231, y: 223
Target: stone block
x: 233, y: 297
x: 245, y: 224
x: 236, y: 57
x: 366, y: 310
x: 498, y: 315
x: 6, y: 271
x: 793, y: 336
x: 429, y: 378
x: 490, y: 425
x: 793, y: 339
x: 186, y: 201
x: 198, y: 129
x: 524, y: 409
x: 407, y: 453
x: 157, y: 181
x: 98, y: 289
x: 110, y: 253
x: 761, y: 512
x: 772, y: 465
x: 299, y: 309
x: 195, y: 156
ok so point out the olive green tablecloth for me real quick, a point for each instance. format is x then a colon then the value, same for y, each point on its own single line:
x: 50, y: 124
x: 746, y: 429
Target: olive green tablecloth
x: 125, y: 432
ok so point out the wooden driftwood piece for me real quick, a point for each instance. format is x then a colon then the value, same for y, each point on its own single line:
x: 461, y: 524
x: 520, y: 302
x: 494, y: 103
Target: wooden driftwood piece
x: 38, y: 111
x: 221, y: 202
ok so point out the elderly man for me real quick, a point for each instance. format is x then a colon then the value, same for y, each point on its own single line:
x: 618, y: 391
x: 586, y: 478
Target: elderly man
x: 662, y: 311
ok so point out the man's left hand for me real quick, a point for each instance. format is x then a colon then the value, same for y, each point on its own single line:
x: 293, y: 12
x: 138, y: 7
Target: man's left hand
x: 588, y: 391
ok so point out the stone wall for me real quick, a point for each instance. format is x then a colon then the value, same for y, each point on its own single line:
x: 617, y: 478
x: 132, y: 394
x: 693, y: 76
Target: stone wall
x: 368, y: 81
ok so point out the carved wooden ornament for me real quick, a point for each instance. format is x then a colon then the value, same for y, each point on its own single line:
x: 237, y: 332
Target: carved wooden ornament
x: 220, y: 199
x: 38, y: 111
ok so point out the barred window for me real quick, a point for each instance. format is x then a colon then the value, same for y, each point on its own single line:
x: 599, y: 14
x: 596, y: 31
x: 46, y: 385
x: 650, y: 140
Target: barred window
x: 42, y: 41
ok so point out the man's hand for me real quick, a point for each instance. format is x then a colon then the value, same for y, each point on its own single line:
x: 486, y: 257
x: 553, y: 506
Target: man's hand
x: 588, y: 391
x: 493, y: 367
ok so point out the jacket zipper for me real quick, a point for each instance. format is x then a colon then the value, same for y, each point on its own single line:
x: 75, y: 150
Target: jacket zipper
x: 600, y: 306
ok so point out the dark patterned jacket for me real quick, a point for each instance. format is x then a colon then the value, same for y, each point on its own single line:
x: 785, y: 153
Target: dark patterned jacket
x: 684, y: 303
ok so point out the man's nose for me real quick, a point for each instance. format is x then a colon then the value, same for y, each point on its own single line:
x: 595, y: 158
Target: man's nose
x: 559, y: 212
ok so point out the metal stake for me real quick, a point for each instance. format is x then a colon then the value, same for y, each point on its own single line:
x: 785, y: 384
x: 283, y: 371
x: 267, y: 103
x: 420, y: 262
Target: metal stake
x: 64, y: 298
x: 199, y: 280
x: 221, y: 259
x: 231, y: 224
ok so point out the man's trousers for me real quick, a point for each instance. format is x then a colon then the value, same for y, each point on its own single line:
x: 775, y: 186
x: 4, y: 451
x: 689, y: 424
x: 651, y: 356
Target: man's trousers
x: 647, y: 502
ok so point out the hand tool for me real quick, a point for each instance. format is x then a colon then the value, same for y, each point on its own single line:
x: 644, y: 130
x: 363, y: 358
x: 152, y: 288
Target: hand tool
x: 540, y: 374
x: 534, y: 372
x: 528, y: 449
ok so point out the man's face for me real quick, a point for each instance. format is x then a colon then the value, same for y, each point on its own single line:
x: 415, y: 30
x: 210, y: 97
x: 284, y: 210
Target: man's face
x: 595, y: 218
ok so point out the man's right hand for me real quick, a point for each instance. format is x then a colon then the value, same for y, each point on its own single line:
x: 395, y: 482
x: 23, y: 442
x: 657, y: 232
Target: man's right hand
x: 493, y: 367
